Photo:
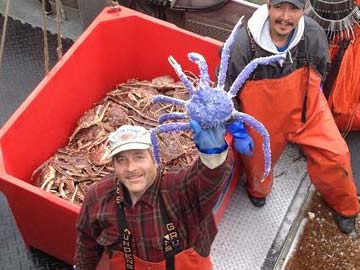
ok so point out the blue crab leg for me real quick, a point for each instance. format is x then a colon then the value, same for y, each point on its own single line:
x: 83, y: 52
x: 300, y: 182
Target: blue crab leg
x: 259, y: 127
x: 165, y: 128
x: 203, y: 67
x: 156, y: 147
x: 246, y: 72
x: 171, y: 116
x: 167, y: 99
x: 188, y: 84
x: 225, y: 54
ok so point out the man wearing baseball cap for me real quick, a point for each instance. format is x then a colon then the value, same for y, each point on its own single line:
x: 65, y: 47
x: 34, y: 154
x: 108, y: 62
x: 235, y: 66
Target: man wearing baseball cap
x: 141, y: 218
x: 287, y: 98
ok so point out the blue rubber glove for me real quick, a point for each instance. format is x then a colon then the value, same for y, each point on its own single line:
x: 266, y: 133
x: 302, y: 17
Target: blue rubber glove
x: 210, y: 140
x: 243, y: 143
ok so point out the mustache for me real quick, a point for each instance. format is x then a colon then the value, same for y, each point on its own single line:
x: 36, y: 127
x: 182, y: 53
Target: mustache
x: 127, y: 175
x: 287, y: 23
x: 132, y: 174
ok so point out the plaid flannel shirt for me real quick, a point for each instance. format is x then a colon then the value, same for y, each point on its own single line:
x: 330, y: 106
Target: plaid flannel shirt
x: 189, y: 196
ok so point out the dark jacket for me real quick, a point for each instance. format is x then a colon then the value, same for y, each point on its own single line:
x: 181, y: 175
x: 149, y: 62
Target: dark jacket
x: 312, y: 50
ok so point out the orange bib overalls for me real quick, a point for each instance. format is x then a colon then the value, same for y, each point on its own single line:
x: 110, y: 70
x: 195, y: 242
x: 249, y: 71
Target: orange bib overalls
x: 278, y: 104
x: 175, y: 259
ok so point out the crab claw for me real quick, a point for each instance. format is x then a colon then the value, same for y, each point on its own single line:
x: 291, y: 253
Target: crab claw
x: 203, y: 67
x: 189, y: 86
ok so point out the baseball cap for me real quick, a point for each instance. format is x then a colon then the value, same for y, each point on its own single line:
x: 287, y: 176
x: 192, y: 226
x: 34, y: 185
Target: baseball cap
x: 298, y: 3
x: 129, y: 137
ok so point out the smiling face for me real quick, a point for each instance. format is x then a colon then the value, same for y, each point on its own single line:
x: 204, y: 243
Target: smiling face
x: 284, y: 17
x: 136, y: 170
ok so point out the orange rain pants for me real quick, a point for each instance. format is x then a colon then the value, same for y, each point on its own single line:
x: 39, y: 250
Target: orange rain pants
x: 278, y: 104
x: 188, y: 259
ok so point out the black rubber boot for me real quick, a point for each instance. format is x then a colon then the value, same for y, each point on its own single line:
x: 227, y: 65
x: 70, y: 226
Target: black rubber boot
x: 345, y: 224
x: 258, y: 202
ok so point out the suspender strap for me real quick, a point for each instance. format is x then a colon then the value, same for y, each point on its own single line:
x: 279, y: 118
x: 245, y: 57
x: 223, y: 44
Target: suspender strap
x: 253, y: 46
x: 301, y: 54
x: 301, y: 62
x: 251, y: 41
x: 304, y: 107
x: 125, y: 238
x: 171, y: 242
x: 335, y: 67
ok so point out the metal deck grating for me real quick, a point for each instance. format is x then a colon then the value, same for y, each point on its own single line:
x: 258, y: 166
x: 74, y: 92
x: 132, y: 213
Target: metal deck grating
x: 23, y: 63
x: 246, y: 233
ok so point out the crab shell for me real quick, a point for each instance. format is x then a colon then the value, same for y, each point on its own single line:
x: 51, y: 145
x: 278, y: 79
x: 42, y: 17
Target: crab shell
x: 209, y: 107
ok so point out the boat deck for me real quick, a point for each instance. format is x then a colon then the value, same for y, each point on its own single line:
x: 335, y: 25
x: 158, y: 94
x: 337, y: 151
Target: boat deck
x: 249, y: 238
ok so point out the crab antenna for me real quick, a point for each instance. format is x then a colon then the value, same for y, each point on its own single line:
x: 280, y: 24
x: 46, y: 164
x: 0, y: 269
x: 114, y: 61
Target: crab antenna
x: 203, y: 67
x: 246, y: 72
x: 189, y: 86
x: 225, y: 54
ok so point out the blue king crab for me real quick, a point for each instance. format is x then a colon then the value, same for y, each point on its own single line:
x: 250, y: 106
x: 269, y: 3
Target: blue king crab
x: 211, y: 106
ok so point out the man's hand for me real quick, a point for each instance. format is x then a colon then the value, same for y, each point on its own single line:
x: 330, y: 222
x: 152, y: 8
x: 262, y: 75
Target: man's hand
x: 243, y: 143
x: 210, y: 140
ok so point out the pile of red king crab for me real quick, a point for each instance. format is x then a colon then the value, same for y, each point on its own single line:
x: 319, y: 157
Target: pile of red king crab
x: 83, y: 161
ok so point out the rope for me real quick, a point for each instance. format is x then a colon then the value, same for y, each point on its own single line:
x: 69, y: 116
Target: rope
x: 58, y: 22
x: 46, y: 46
x: 3, y: 36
